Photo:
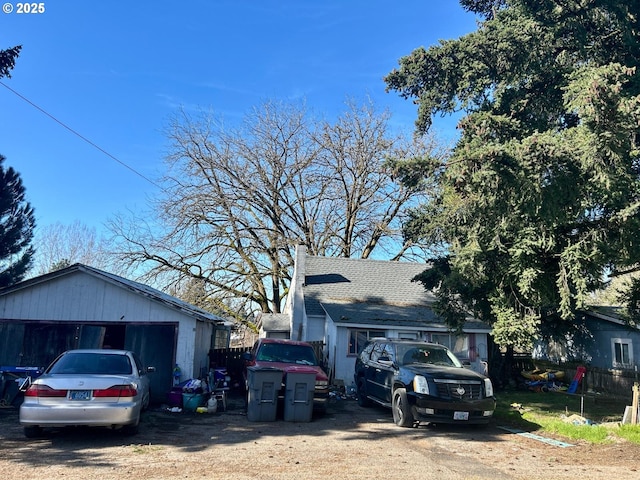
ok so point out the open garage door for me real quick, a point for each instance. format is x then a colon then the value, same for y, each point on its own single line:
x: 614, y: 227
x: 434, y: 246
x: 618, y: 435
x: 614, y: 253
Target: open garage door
x: 91, y: 336
x: 11, y: 335
x: 155, y: 344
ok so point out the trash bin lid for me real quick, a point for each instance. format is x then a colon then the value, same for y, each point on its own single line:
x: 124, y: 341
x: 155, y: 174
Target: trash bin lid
x: 255, y: 368
x: 301, y: 369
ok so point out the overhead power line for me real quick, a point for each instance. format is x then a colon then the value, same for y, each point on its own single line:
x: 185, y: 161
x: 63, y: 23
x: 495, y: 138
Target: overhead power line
x: 77, y: 134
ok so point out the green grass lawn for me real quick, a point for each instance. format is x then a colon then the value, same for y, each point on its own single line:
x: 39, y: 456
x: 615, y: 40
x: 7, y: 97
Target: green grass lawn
x: 565, y: 414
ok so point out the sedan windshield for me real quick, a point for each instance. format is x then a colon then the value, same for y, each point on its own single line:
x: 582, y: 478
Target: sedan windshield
x: 92, y: 364
x: 429, y: 354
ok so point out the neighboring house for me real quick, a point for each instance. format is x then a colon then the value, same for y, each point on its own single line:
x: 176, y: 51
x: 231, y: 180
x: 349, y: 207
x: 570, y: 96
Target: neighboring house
x: 604, y: 341
x: 83, y: 307
x: 345, y: 302
x: 274, y: 325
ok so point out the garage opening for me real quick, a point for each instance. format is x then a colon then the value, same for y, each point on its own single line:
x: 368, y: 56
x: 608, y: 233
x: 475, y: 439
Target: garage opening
x: 114, y: 336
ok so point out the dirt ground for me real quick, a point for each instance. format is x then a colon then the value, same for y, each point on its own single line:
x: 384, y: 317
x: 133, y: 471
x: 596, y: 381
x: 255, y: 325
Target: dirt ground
x: 348, y: 442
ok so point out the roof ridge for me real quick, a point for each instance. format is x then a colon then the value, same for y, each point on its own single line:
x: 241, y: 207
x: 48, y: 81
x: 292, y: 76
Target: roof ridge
x: 353, y: 259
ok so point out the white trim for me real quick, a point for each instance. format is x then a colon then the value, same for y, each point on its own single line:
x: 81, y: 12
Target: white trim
x: 621, y: 341
x: 602, y: 316
x: 405, y: 328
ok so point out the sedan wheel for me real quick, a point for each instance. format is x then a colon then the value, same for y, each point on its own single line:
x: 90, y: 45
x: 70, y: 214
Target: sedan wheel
x: 402, y: 415
x: 132, y: 428
x: 146, y: 401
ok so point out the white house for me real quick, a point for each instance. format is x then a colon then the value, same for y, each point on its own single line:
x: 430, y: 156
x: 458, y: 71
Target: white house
x: 83, y: 307
x: 344, y: 302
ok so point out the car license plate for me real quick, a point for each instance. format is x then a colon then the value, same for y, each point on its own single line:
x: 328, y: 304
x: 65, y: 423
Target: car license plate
x: 461, y: 415
x: 79, y: 394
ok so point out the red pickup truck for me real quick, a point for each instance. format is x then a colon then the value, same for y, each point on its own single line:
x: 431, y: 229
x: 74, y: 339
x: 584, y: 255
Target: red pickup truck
x: 290, y: 356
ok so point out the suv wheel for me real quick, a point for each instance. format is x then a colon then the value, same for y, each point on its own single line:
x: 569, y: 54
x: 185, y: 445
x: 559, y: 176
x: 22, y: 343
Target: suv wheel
x: 402, y: 415
x: 361, y: 395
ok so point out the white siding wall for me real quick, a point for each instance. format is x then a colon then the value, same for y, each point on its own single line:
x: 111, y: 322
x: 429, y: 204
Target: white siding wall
x: 315, y: 329
x: 295, y: 300
x: 202, y: 342
x: 85, y: 298
x: 330, y: 344
x: 82, y: 297
x: 344, y: 364
x: 185, y: 350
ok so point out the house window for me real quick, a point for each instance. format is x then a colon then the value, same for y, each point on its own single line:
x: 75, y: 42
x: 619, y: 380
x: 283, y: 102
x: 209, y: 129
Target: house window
x: 622, y: 349
x: 408, y: 335
x: 358, y: 339
x: 220, y: 338
x: 458, y: 344
x: 382, y: 350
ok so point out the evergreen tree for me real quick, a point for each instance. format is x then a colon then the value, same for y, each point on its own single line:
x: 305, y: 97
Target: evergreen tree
x: 17, y: 223
x: 16, y: 215
x: 8, y: 60
x: 540, y: 198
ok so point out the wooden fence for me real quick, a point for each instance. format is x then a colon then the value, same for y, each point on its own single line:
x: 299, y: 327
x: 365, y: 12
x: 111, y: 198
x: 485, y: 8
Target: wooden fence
x: 617, y: 383
x: 231, y: 359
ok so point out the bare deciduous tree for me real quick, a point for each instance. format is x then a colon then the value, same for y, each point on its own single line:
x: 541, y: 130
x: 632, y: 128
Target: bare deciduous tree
x: 59, y: 245
x: 237, y: 201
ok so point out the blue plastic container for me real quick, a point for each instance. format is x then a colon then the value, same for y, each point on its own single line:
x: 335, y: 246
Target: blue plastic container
x: 191, y: 401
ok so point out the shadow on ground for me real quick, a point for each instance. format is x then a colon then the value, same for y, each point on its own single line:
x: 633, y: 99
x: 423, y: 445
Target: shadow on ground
x: 192, y: 432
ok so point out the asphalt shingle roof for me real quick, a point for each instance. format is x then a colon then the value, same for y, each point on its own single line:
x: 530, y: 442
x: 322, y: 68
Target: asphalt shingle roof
x: 372, y: 292
x: 370, y: 280
x: 275, y: 322
x: 364, y: 291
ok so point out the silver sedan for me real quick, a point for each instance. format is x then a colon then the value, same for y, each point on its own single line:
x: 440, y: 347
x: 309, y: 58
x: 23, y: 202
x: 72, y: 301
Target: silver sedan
x: 97, y: 388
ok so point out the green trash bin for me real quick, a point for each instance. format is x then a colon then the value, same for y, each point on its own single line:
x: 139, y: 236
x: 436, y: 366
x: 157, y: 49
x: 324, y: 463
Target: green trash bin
x: 262, y: 397
x: 298, y: 398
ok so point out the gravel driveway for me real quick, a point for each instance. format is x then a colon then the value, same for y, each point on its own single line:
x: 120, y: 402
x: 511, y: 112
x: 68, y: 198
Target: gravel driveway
x: 349, y: 442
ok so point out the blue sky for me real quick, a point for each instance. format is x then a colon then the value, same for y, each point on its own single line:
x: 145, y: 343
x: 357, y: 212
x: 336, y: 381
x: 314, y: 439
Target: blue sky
x: 114, y: 71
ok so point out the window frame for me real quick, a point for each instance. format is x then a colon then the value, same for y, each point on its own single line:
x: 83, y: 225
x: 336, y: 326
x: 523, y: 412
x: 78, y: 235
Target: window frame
x: 453, y: 343
x: 622, y: 342
x: 353, y: 345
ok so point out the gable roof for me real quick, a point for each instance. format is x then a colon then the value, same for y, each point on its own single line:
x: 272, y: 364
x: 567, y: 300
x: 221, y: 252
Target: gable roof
x: 274, y: 322
x: 366, y: 280
x: 138, y: 288
x: 610, y: 314
x: 374, y: 292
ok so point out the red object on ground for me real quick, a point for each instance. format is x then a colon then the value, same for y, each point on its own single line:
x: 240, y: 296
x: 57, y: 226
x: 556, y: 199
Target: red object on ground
x: 580, y: 372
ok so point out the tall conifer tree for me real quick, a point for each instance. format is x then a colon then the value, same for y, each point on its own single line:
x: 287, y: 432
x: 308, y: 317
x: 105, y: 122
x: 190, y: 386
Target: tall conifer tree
x: 17, y: 223
x: 540, y: 198
x: 17, y: 220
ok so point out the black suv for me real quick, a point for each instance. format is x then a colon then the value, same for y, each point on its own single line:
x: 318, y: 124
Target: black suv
x: 422, y: 381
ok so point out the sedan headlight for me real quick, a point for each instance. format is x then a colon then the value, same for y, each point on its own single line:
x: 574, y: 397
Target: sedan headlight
x: 488, y: 387
x: 420, y: 385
